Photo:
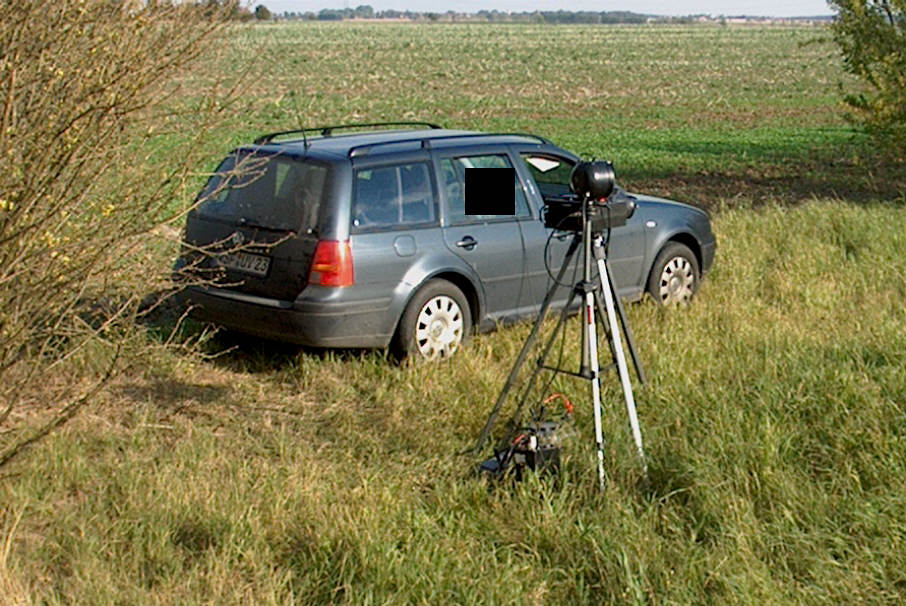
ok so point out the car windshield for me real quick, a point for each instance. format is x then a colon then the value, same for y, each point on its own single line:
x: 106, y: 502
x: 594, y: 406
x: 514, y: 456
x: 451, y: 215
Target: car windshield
x: 270, y: 191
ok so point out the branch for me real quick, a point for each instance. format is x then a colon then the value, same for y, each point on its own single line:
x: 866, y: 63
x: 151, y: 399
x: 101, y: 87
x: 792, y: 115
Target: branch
x: 64, y: 415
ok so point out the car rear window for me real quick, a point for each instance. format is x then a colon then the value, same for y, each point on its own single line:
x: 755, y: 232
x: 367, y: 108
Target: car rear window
x: 270, y: 191
x: 393, y: 196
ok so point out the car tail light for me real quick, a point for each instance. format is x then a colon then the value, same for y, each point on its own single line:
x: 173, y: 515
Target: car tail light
x: 332, y: 264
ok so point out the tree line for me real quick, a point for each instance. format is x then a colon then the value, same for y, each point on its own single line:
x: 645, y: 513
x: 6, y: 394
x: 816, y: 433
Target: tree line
x: 367, y: 12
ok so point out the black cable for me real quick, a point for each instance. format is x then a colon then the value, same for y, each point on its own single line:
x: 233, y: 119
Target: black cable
x: 547, y: 266
x: 550, y: 282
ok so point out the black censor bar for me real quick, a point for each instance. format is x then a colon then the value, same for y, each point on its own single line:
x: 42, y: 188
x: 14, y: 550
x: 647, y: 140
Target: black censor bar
x: 489, y: 191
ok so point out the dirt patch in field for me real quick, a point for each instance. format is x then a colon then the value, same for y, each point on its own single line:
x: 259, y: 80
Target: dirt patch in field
x: 786, y: 184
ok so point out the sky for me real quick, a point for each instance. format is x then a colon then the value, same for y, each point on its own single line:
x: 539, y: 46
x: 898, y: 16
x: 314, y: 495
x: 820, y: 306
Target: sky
x: 765, y: 8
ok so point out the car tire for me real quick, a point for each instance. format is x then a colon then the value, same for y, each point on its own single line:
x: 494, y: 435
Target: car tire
x: 436, y: 322
x: 675, y: 275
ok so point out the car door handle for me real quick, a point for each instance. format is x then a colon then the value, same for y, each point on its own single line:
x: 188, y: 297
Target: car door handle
x: 563, y: 235
x: 468, y: 243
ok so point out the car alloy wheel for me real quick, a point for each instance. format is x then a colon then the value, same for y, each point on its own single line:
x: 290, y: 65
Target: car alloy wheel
x: 674, y: 278
x: 436, y: 322
x: 439, y: 328
x: 677, y: 281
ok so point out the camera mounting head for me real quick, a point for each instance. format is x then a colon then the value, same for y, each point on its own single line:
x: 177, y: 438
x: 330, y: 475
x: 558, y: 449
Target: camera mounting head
x: 593, y: 180
x: 592, y: 184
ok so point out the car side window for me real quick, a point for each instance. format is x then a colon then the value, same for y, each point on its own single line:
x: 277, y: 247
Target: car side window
x: 454, y: 179
x: 390, y: 196
x: 551, y: 173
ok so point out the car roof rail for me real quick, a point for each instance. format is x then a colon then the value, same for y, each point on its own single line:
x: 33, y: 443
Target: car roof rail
x: 359, y: 150
x: 327, y: 131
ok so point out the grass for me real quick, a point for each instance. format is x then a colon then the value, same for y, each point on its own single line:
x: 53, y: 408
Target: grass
x: 774, y: 416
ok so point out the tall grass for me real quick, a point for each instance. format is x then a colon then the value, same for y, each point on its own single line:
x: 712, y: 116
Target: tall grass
x: 773, y: 419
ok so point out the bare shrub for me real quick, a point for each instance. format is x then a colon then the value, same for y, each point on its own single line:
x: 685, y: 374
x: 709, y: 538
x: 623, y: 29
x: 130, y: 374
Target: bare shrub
x: 99, y: 130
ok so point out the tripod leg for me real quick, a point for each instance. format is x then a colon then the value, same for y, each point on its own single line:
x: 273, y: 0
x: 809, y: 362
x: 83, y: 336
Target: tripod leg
x: 592, y: 340
x: 559, y: 328
x: 627, y: 331
x: 617, y: 345
x: 520, y: 360
x: 621, y: 313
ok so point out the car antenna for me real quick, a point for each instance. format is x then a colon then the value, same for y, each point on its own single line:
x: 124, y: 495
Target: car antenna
x: 299, y: 118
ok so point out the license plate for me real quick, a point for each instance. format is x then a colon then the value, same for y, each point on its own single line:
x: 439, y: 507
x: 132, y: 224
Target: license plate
x: 256, y: 265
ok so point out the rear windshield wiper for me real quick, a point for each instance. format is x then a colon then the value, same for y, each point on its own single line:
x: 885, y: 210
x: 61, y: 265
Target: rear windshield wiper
x: 245, y: 222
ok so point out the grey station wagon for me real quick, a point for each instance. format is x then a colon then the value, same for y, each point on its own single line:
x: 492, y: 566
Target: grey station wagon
x: 360, y: 239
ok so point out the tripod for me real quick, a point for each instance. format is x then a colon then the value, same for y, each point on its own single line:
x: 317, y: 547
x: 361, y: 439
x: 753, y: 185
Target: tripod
x: 593, y: 247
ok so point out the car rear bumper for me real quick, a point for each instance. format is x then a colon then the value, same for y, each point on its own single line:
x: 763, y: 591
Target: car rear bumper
x: 304, y: 322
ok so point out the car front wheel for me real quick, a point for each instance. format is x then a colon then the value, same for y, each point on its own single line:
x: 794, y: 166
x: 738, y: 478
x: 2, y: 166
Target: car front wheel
x: 674, y: 276
x: 435, y: 323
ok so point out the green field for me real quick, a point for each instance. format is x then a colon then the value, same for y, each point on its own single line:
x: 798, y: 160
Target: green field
x: 238, y: 472
x: 706, y: 112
